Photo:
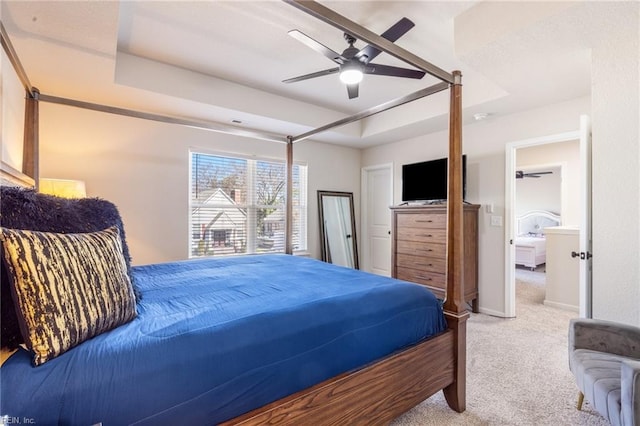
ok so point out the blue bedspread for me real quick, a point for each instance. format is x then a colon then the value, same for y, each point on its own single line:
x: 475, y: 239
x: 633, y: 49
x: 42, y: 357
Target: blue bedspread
x: 215, y: 338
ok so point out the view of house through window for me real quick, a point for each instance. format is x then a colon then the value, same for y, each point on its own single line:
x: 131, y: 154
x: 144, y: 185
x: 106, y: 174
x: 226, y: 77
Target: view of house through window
x: 237, y: 205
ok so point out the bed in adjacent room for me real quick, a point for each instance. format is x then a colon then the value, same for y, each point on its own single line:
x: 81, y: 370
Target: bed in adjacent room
x: 531, y: 246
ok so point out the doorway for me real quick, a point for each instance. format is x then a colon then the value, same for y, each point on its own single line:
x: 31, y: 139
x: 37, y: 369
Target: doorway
x: 541, y: 195
x: 569, y: 208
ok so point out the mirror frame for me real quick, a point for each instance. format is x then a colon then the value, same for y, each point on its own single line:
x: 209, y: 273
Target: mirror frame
x: 354, y: 239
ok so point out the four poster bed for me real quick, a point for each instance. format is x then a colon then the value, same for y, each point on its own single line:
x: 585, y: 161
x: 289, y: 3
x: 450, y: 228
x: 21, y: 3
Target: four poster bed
x: 396, y: 346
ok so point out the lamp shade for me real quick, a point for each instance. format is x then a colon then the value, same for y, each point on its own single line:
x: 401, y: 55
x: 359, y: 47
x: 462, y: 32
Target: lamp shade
x: 65, y: 188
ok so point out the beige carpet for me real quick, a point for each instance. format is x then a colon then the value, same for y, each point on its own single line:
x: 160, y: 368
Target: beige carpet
x: 517, y: 369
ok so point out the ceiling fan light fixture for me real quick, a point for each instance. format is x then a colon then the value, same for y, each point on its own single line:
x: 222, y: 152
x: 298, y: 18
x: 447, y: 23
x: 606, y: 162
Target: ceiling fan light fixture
x: 351, y: 74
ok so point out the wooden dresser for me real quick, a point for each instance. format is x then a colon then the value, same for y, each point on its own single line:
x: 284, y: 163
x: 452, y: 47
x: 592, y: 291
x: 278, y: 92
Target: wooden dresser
x: 419, y: 248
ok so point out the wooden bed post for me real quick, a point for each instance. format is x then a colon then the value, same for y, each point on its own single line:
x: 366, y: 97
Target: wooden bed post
x: 30, y: 137
x: 288, y: 218
x: 454, y: 306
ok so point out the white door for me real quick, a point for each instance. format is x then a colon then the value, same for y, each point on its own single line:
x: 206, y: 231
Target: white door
x: 377, y: 197
x: 585, y: 222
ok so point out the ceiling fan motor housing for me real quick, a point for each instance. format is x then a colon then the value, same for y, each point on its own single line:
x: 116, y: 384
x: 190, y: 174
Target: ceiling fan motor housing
x: 350, y: 52
x: 353, y: 63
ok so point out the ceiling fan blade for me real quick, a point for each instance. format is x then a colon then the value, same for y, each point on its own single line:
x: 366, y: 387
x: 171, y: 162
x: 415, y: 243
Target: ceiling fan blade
x: 312, y: 75
x: 521, y: 174
x: 318, y: 47
x: 378, y: 69
x: 536, y: 174
x: 392, y: 34
x: 352, y: 90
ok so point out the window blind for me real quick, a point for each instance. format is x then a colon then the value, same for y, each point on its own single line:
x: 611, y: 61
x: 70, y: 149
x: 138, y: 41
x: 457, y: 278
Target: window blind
x: 237, y: 205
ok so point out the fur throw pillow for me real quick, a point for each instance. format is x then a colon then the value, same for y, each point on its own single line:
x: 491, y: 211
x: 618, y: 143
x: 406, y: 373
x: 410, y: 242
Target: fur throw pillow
x: 26, y: 209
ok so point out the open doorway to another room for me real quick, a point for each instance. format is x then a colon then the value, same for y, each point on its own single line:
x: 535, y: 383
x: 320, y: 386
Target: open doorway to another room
x: 537, y: 205
x: 546, y: 202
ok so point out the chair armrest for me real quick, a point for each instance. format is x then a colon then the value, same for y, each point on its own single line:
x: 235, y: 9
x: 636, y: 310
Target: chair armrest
x: 630, y: 389
x: 604, y: 336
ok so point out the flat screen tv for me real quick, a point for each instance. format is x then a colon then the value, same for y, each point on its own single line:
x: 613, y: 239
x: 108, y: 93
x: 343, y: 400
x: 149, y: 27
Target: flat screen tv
x: 427, y: 181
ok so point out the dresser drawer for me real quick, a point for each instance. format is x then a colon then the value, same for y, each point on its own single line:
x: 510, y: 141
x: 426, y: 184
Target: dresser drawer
x: 432, y: 249
x: 421, y: 263
x: 431, y: 279
x: 422, y: 220
x: 421, y: 235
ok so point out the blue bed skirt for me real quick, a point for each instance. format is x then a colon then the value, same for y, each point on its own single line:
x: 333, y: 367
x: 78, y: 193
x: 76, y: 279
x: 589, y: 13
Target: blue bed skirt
x: 216, y: 338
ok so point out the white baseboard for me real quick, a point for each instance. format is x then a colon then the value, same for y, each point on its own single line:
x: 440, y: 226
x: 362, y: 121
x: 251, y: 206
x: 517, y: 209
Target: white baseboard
x: 563, y: 306
x: 493, y: 313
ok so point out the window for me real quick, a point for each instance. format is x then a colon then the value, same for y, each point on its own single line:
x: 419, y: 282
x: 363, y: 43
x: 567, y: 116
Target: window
x: 237, y: 205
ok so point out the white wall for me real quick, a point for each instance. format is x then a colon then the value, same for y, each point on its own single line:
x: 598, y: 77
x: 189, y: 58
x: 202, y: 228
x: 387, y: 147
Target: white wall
x: 542, y: 193
x: 565, y: 153
x: 484, y: 144
x: 616, y: 168
x: 12, y: 106
x: 143, y: 167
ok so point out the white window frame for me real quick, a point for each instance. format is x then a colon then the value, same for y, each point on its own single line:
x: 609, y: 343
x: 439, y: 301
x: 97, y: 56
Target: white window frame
x: 250, y: 205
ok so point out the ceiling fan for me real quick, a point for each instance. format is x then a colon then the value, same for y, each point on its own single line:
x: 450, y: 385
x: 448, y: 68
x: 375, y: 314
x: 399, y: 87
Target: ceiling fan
x: 353, y: 63
x: 520, y: 174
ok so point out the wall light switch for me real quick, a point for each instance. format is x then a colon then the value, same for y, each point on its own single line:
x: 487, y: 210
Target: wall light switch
x: 496, y: 220
x: 489, y: 208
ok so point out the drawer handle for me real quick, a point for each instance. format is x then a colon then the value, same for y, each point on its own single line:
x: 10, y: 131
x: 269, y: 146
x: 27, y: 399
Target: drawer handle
x: 426, y: 235
x: 424, y: 221
x: 427, y: 250
x: 424, y: 278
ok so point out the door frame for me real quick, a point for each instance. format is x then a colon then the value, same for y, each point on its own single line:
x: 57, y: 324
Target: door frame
x: 510, y: 218
x: 586, y: 224
x: 364, y: 199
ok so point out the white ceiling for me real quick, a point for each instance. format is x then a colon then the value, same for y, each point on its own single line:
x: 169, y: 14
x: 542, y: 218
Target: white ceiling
x: 225, y: 60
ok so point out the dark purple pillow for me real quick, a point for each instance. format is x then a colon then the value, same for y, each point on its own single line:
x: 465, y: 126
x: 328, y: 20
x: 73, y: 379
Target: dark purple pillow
x: 26, y: 209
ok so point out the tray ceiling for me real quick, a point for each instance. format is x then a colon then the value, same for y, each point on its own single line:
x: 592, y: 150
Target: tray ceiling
x: 225, y: 60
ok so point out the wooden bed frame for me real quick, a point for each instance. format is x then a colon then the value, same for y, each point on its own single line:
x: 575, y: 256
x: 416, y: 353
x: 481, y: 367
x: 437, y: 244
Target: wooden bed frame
x: 373, y: 395
x: 379, y: 392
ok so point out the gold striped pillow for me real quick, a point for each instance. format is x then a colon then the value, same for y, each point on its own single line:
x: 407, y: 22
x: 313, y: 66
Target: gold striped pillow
x: 67, y: 287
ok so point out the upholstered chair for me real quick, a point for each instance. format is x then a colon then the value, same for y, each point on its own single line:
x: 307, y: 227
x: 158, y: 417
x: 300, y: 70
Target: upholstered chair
x: 604, y: 357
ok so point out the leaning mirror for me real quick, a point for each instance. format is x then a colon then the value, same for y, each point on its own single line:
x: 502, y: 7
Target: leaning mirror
x: 338, y: 228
